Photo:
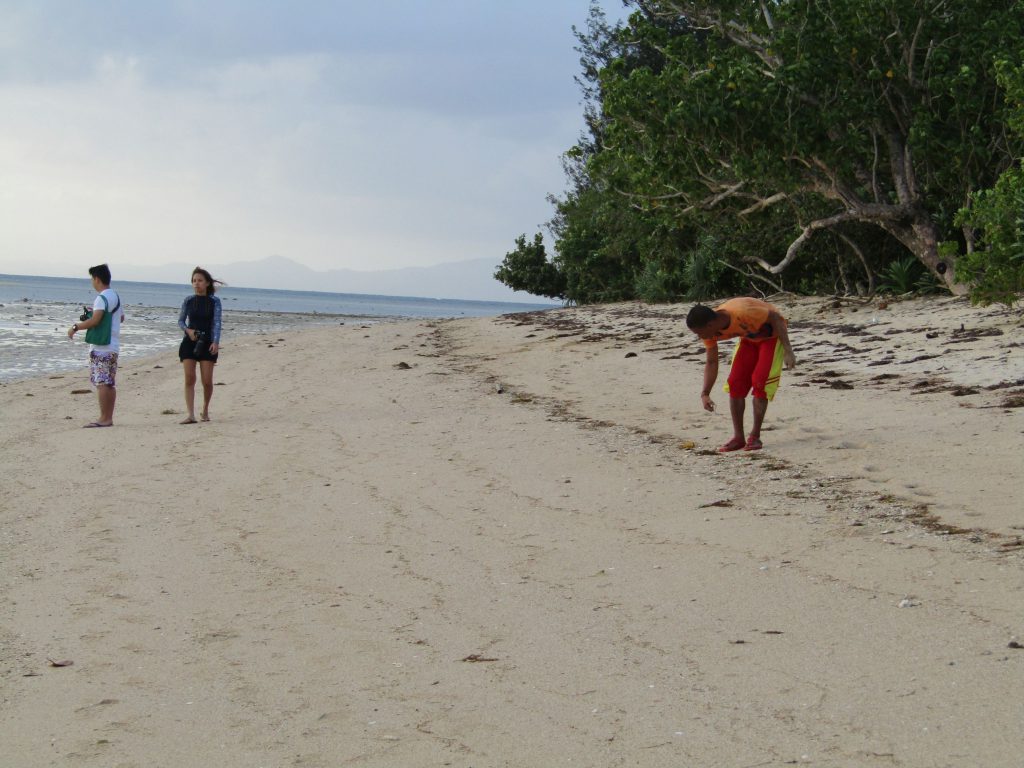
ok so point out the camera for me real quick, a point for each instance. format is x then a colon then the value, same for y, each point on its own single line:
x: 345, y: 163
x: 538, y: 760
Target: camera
x: 202, y: 343
x: 86, y: 313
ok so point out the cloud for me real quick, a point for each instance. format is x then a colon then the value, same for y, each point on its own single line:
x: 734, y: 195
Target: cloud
x: 337, y: 134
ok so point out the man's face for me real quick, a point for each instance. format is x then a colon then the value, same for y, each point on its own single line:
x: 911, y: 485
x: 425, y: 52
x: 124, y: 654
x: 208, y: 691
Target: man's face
x: 96, y: 284
x: 706, y: 332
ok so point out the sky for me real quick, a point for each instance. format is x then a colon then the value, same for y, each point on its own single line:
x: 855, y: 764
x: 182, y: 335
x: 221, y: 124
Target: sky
x: 368, y: 135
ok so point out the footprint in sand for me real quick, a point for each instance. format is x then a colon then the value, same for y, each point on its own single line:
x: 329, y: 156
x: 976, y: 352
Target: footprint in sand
x: 872, y: 474
x: 846, y: 445
x: 917, y: 490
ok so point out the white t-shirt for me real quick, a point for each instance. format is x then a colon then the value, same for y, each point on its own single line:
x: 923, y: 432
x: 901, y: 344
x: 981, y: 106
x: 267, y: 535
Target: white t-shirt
x: 114, y: 303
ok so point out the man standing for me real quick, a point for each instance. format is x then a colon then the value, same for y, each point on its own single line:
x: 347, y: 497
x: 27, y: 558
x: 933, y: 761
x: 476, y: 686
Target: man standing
x: 107, y: 313
x: 757, y: 362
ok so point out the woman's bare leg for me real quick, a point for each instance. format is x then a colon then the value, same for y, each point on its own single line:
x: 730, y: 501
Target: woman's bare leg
x: 189, y: 367
x: 206, y: 371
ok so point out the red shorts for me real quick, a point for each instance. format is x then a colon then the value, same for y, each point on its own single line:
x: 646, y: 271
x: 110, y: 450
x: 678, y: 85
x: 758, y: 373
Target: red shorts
x: 751, y: 368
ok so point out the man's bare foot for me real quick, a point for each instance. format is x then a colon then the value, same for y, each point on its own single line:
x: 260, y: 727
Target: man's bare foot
x: 753, y: 444
x: 205, y: 417
x: 733, y: 445
x: 189, y: 420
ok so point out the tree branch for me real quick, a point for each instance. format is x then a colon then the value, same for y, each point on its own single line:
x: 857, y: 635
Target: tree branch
x: 872, y: 213
x: 766, y: 202
x: 753, y: 276
x: 864, y: 262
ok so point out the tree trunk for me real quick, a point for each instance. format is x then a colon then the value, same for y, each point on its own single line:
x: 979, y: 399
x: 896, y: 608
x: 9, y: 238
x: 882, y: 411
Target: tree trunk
x: 921, y: 238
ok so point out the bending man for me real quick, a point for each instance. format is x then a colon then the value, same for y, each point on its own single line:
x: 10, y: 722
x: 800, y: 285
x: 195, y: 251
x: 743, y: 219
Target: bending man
x: 756, y: 364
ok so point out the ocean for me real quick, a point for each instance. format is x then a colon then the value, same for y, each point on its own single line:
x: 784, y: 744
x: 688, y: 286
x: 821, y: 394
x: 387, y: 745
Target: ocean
x: 35, y: 313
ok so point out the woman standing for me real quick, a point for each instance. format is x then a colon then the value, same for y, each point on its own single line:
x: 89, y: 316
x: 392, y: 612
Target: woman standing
x: 200, y: 320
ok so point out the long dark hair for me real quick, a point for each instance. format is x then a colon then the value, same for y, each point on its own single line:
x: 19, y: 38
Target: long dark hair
x: 211, y: 284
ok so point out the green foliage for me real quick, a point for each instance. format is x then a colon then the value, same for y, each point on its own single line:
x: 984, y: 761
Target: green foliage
x: 901, y: 276
x: 737, y: 146
x: 996, y: 268
x: 886, y: 112
x: 597, y: 252
x: 705, y: 271
x: 907, y: 275
x: 659, y: 283
x: 927, y: 283
x: 527, y: 269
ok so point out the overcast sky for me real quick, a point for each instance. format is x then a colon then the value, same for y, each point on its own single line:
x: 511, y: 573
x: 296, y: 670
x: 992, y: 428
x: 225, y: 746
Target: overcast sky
x: 361, y: 135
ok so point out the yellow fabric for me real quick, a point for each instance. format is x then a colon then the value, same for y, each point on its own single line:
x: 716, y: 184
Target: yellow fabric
x: 775, y: 374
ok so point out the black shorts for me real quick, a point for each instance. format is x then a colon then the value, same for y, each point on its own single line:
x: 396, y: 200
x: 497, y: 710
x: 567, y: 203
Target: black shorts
x: 187, y: 351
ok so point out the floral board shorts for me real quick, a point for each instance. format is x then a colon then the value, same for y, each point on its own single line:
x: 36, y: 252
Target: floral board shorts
x: 102, y: 368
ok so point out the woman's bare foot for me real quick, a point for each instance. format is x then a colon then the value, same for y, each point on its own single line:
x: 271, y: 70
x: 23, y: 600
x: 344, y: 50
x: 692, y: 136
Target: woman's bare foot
x: 189, y: 420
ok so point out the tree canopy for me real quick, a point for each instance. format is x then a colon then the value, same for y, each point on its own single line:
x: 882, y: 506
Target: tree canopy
x: 527, y: 269
x: 803, y: 144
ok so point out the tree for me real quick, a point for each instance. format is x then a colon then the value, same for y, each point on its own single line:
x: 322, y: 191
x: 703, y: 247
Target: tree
x: 608, y: 250
x: 527, y: 269
x: 996, y: 269
x: 886, y: 111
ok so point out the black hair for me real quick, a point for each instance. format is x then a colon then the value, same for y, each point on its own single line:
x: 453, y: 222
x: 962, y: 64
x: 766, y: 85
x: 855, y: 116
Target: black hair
x: 211, y: 284
x: 101, y: 272
x: 699, y: 317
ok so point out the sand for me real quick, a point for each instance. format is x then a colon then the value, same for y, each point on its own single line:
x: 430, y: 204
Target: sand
x: 509, y: 542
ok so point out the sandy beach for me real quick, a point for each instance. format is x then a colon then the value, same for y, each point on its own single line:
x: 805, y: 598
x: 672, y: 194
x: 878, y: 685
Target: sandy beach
x: 510, y: 542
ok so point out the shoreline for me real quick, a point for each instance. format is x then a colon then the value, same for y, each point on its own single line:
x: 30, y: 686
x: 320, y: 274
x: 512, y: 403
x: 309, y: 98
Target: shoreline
x: 34, y: 342
x: 508, y: 541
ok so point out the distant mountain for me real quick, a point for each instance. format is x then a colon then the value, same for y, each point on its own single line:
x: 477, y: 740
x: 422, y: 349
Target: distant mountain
x: 472, y: 280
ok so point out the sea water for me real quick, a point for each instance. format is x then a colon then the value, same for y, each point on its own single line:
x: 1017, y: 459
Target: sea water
x: 36, y: 312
